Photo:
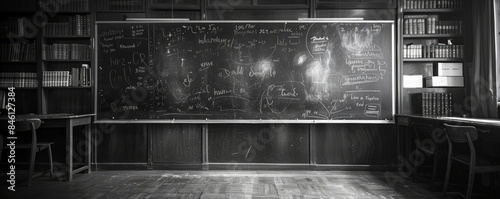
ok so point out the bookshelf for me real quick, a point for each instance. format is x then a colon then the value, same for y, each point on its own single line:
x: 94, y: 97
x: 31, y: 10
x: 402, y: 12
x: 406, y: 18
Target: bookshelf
x: 66, y: 60
x: 433, y: 40
x: 49, y: 65
x: 18, y: 57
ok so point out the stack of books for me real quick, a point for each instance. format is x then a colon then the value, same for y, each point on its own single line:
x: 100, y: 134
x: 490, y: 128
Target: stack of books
x: 431, y: 4
x: 413, y: 51
x: 432, y: 104
x: 78, y: 25
x: 429, y: 24
x: 66, y: 52
x: 18, y: 52
x: 18, y: 79
x: 13, y: 25
x: 77, y: 77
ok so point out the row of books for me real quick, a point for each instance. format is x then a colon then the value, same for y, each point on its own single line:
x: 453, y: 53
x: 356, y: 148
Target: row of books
x: 120, y: 5
x: 432, y: 104
x: 424, y: 24
x: 78, y: 25
x: 18, y: 52
x: 431, y: 4
x: 12, y: 25
x: 73, y: 5
x: 433, y: 51
x: 66, y: 52
x: 77, y: 77
x: 19, y: 80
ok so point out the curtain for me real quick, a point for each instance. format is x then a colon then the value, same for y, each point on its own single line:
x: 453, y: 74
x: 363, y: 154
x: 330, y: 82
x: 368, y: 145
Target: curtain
x: 483, y: 102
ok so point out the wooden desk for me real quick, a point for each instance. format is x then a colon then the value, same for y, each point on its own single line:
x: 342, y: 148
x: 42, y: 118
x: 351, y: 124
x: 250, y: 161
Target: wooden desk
x: 68, y: 121
x: 489, y: 130
x: 403, y: 120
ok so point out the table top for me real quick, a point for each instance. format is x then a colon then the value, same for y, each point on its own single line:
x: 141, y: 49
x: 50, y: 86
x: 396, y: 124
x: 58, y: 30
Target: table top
x: 50, y: 116
x: 465, y: 120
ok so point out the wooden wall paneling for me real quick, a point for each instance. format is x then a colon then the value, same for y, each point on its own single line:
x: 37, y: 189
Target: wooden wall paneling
x: 176, y: 143
x: 235, y: 14
x: 204, y: 147
x: 312, y: 144
x: 26, y: 101
x: 366, y: 14
x: 331, y: 4
x: 68, y: 100
x: 258, y: 143
x: 190, y: 14
x: 116, y: 16
x: 121, y: 143
x: 367, y: 144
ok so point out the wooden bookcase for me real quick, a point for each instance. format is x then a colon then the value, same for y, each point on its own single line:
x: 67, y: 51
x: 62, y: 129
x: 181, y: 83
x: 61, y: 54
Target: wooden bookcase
x: 18, y: 57
x: 431, y: 32
x: 46, y: 70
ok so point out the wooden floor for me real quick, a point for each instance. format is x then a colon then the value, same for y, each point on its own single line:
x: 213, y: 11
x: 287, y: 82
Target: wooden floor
x: 221, y: 184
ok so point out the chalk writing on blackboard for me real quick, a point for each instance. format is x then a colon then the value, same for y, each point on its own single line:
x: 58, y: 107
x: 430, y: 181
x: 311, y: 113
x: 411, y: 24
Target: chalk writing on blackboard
x: 240, y: 70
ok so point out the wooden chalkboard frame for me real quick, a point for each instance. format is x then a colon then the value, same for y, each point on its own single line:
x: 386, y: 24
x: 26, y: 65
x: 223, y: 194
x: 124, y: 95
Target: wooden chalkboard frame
x: 252, y: 121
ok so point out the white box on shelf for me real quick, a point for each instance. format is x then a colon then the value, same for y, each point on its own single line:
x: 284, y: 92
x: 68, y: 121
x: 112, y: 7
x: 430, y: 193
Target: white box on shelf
x: 413, y: 81
x: 444, y: 81
x: 449, y: 69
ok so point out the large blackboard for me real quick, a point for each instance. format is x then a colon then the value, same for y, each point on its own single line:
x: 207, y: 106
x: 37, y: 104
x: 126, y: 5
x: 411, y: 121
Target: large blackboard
x: 245, y: 70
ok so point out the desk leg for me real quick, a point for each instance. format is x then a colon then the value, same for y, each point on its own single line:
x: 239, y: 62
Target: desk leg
x: 69, y: 150
x: 88, y: 130
x: 1, y: 145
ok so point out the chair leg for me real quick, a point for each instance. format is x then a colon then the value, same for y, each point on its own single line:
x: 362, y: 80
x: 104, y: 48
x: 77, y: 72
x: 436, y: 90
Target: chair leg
x: 470, y: 184
x: 447, y: 178
x: 1, y: 146
x: 32, y: 164
x: 51, y: 163
x: 415, y: 170
x: 434, y: 171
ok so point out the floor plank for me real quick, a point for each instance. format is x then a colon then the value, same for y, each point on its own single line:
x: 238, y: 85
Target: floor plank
x: 221, y: 184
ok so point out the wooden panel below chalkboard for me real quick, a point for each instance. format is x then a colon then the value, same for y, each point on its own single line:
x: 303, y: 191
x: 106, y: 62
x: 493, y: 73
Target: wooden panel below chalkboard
x: 356, y: 144
x: 263, y: 143
x: 233, y: 70
x: 175, y: 143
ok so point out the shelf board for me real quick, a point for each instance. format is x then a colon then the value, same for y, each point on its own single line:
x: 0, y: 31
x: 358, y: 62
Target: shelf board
x: 119, y: 11
x: 67, y: 87
x: 27, y: 38
x: 68, y: 37
x: 20, y: 88
x: 68, y: 60
x: 432, y: 36
x: 432, y: 59
x: 436, y: 10
x: 26, y: 62
x: 432, y: 88
x: 73, y: 12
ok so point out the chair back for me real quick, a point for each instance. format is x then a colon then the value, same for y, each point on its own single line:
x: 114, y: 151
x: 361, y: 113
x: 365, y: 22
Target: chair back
x: 423, y: 130
x: 461, y: 134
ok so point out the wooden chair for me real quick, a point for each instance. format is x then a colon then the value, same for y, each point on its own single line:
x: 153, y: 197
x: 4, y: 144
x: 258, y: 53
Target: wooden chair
x: 29, y: 125
x: 466, y: 135
x: 424, y: 136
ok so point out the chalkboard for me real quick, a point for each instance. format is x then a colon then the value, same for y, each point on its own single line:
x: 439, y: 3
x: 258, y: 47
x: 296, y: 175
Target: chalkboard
x: 245, y: 70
